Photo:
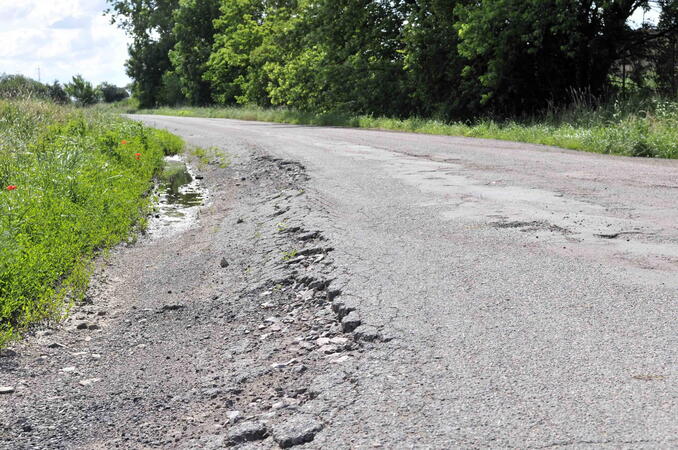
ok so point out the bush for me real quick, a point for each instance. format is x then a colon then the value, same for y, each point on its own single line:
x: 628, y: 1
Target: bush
x: 72, y: 183
x: 82, y: 91
x: 19, y: 86
x: 111, y: 94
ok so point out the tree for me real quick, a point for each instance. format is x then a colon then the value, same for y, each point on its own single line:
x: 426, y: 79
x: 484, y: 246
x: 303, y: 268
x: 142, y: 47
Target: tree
x: 57, y: 93
x: 19, y: 86
x: 194, y: 35
x: 150, y: 24
x: 347, y: 56
x: 82, y: 91
x: 110, y: 93
x: 433, y: 64
x: 665, y: 57
x: 535, y: 52
x: 240, y: 30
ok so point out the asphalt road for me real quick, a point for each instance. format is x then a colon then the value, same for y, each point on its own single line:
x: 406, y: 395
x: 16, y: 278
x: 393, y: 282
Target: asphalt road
x: 530, y: 291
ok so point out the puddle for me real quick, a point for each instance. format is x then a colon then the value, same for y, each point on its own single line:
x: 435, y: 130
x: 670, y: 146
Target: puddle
x: 180, y: 196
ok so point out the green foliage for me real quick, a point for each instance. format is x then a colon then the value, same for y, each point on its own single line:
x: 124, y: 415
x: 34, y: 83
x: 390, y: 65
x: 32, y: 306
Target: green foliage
x: 433, y: 64
x: 212, y: 155
x: 150, y: 24
x: 19, y: 86
x: 240, y: 31
x: 194, y: 35
x: 170, y: 144
x: 449, y: 59
x: 290, y: 254
x: 57, y: 93
x: 80, y: 181
x: 170, y: 90
x: 82, y: 91
x: 110, y: 93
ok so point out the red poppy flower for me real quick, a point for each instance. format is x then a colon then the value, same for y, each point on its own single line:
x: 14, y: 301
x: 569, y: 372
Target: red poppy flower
x: 137, y: 156
x: 11, y: 187
x: 123, y: 142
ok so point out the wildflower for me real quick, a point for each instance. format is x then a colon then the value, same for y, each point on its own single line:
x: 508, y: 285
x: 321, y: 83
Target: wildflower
x: 123, y: 142
x: 11, y: 187
x: 137, y: 156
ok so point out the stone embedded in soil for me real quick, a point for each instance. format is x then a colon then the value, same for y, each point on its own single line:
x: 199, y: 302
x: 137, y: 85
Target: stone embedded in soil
x: 329, y: 348
x: 350, y: 322
x: 283, y: 365
x: 223, y: 263
x: 89, y: 381
x: 246, y: 432
x: 297, y: 430
x: 175, y: 307
x: 6, y: 390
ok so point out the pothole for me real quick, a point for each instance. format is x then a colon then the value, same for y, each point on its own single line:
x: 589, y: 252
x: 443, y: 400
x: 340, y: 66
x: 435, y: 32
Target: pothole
x: 180, y: 195
x: 530, y: 226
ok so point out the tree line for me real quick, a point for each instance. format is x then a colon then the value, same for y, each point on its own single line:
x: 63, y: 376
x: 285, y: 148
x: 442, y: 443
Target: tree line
x: 450, y: 59
x: 78, y: 90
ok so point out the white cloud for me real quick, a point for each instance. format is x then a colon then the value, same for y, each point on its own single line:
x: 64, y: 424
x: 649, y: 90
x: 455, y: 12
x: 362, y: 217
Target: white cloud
x: 62, y: 38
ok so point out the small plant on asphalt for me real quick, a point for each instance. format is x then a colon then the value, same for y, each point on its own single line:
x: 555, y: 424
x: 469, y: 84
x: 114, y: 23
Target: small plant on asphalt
x: 290, y: 254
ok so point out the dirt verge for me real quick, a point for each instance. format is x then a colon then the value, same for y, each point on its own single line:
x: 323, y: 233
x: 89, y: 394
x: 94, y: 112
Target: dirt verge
x: 233, y: 333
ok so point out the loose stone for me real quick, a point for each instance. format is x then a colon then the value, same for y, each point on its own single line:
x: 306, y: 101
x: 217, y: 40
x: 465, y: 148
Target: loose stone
x: 350, y: 322
x: 298, y: 430
x: 246, y: 432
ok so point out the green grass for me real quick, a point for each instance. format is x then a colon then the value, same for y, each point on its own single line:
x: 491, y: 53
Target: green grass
x: 82, y: 180
x: 645, y: 127
x: 212, y: 155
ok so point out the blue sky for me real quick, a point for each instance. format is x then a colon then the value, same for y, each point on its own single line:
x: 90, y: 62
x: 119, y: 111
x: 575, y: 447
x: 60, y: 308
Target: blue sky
x: 68, y: 37
x: 63, y: 38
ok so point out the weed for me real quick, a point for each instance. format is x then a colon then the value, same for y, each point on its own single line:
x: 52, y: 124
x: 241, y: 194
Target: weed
x: 83, y: 182
x: 291, y: 254
x: 281, y: 226
x: 212, y: 155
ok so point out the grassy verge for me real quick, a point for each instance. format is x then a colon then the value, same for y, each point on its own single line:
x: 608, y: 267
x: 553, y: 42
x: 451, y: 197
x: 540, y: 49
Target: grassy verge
x: 72, y: 182
x: 647, y: 127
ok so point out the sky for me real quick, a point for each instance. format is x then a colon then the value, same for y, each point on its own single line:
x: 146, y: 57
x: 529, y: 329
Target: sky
x: 67, y: 37
x: 62, y: 38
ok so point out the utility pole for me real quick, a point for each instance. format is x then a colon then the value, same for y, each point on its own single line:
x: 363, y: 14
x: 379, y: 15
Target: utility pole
x: 39, y: 74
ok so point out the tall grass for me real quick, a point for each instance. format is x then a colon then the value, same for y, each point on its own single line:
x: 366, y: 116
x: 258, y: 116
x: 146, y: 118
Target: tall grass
x: 634, y: 127
x: 72, y: 182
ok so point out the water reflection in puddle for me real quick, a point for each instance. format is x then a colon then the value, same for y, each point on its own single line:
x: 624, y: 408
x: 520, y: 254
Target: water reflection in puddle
x: 180, y: 196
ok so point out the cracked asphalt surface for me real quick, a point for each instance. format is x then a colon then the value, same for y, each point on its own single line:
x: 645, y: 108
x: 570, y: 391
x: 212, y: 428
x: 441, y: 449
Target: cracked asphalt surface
x: 507, y: 295
x: 530, y: 291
